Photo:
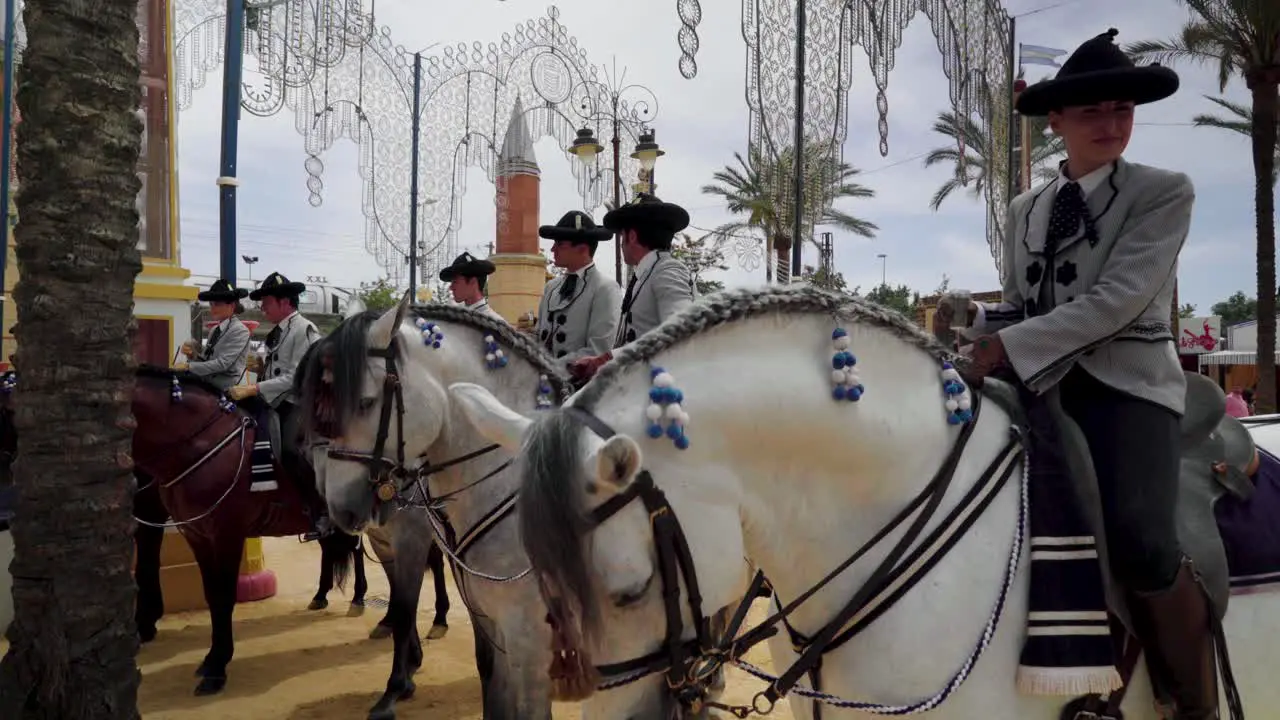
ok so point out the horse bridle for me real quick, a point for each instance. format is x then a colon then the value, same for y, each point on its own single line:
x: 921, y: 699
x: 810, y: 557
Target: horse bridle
x: 690, y: 666
x: 391, y: 478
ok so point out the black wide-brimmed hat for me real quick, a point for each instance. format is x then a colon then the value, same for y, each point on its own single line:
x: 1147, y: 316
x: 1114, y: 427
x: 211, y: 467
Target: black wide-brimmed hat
x: 278, y: 286
x: 1098, y: 71
x: 468, y: 266
x: 221, y: 291
x: 576, y: 227
x: 649, y: 212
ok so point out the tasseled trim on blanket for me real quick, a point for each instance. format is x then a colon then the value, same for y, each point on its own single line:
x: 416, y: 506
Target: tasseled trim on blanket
x: 1072, y: 681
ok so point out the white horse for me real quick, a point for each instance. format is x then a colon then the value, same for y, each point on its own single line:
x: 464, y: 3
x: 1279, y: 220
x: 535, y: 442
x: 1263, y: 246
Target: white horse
x: 778, y: 471
x: 397, y: 444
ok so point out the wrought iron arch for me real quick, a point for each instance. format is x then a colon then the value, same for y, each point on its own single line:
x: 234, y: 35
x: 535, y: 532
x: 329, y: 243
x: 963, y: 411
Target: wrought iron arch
x: 343, y: 78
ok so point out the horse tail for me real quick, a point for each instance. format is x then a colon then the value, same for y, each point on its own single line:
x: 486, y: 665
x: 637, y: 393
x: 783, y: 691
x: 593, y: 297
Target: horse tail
x: 336, y: 550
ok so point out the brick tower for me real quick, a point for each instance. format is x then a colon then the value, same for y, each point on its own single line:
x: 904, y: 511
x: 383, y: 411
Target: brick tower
x: 515, y: 288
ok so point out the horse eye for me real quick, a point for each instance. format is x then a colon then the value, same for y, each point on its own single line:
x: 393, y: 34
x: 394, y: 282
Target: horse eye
x: 366, y: 404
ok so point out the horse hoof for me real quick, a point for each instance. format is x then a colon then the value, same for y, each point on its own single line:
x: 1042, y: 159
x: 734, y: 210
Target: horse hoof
x: 437, y: 631
x: 210, y: 686
x: 356, y: 610
x: 146, y: 635
x: 380, y: 632
x: 203, y: 669
x: 382, y: 713
x: 318, y: 604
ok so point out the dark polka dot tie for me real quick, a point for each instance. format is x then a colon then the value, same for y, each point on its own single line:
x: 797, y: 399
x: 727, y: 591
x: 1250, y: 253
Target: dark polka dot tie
x: 1064, y: 220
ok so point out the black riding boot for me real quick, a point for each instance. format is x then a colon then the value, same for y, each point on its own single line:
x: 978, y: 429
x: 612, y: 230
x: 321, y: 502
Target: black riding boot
x: 1175, y: 628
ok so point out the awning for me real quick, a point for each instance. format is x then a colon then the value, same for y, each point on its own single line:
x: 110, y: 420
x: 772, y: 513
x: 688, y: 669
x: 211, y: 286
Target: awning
x: 1229, y: 357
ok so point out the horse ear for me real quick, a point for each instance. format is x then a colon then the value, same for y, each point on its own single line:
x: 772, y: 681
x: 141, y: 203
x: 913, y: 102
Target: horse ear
x: 385, y: 327
x: 618, y: 461
x: 495, y: 421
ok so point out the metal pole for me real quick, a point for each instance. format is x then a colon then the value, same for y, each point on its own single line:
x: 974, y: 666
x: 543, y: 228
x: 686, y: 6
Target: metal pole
x: 413, y: 177
x: 617, y: 193
x: 798, y: 150
x: 1013, y: 127
x: 884, y: 270
x: 232, y: 74
x: 6, y: 152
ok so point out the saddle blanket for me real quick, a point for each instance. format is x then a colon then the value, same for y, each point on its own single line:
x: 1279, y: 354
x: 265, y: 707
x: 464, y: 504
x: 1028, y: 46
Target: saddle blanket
x: 1251, y: 531
x: 262, y: 468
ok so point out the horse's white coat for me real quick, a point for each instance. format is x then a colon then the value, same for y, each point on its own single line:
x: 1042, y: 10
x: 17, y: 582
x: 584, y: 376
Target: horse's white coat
x: 512, y: 614
x: 796, y: 481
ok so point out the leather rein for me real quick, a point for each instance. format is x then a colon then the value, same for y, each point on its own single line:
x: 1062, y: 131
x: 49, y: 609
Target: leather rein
x: 690, y: 666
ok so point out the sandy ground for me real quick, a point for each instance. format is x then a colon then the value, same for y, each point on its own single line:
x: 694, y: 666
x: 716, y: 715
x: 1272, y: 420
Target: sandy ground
x: 292, y: 664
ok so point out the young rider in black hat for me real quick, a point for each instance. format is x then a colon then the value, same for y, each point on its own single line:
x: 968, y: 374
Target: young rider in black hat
x: 1089, y: 267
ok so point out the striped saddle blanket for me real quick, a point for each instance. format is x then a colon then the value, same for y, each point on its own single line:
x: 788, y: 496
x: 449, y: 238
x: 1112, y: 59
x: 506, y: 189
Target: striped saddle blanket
x: 262, y: 476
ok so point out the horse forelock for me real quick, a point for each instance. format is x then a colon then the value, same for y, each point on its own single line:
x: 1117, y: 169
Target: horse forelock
x: 553, y: 521
x: 331, y: 375
x: 744, y: 304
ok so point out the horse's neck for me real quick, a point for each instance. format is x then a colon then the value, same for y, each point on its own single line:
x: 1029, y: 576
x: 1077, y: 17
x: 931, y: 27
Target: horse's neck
x: 516, y: 386
x: 815, y: 478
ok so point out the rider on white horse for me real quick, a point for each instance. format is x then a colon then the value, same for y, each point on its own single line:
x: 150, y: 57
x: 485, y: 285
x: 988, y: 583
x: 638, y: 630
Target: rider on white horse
x: 660, y: 285
x: 1089, y: 270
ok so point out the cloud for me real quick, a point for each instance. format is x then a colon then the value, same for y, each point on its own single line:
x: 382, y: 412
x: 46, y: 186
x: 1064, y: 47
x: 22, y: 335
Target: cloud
x: 701, y: 123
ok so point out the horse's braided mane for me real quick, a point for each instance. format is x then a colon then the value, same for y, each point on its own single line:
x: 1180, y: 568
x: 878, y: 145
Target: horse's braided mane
x: 188, y: 380
x: 507, y: 336
x: 730, y: 306
x: 330, y: 376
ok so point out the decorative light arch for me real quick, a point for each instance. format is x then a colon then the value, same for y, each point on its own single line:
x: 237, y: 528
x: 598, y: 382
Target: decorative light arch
x: 343, y: 77
x: 974, y: 37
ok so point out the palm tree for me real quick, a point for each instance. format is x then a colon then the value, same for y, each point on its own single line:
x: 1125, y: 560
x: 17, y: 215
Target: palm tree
x: 759, y: 189
x: 971, y: 157
x: 73, y: 644
x: 1241, y: 38
x: 1240, y: 122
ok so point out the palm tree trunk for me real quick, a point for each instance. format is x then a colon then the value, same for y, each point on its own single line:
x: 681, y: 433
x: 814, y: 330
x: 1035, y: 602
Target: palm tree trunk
x: 1265, y: 84
x: 73, y: 644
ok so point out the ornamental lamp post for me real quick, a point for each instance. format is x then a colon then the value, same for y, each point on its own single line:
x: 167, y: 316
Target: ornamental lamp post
x: 648, y: 152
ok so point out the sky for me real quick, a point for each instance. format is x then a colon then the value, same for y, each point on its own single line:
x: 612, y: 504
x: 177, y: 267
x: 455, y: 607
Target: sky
x: 701, y: 123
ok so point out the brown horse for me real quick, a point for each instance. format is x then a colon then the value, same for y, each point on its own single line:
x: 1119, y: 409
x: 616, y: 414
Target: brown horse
x: 198, y: 448
x: 192, y: 453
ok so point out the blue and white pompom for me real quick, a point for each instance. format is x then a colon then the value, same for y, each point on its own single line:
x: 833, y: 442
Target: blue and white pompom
x: 175, y: 391
x: 9, y: 383
x: 432, y: 335
x: 544, y: 399
x: 665, y: 406
x: 848, y: 385
x: 959, y: 402
x: 493, y: 355
x: 226, y: 405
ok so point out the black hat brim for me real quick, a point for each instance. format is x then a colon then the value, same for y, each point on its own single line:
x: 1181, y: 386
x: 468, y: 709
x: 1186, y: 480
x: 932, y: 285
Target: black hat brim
x: 289, y: 289
x: 574, y: 235
x: 476, y: 269
x: 224, y: 296
x: 1139, y: 85
x: 669, y: 217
